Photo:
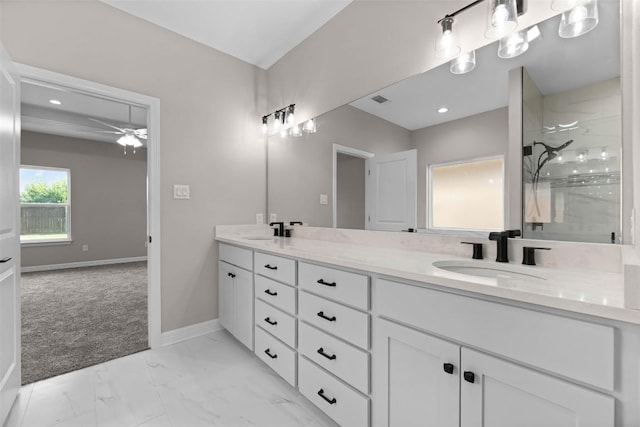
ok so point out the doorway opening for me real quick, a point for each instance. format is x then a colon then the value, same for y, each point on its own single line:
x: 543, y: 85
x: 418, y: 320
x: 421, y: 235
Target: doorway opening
x: 104, y: 140
x: 349, y: 187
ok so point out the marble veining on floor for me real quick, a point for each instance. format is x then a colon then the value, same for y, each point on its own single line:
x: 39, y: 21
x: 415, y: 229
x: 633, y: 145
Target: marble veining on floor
x: 207, y: 381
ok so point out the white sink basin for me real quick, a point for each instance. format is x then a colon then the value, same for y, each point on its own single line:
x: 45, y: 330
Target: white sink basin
x: 493, y: 271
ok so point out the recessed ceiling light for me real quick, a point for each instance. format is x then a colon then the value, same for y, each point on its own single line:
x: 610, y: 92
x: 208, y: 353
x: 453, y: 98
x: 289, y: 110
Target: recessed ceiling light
x: 443, y: 110
x: 55, y: 102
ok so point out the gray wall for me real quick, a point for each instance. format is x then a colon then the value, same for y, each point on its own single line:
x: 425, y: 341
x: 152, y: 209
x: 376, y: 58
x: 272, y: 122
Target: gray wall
x: 108, y: 198
x: 482, y: 135
x: 300, y: 169
x: 209, y: 134
x: 351, y: 200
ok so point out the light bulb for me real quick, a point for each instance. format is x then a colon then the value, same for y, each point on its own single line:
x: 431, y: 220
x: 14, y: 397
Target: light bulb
x: 265, y: 127
x: 277, y: 124
x: 499, y: 16
x: 464, y: 63
x: 309, y: 126
x: 291, y: 118
x: 502, y: 18
x: 447, y: 45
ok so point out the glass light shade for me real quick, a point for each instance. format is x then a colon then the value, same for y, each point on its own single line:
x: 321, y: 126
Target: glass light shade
x: 309, y: 126
x: 295, y: 131
x: 264, y: 127
x: 464, y: 63
x: 562, y: 5
x: 502, y: 18
x: 277, y: 124
x: 515, y: 44
x: 130, y: 140
x: 579, y: 20
x: 447, y: 45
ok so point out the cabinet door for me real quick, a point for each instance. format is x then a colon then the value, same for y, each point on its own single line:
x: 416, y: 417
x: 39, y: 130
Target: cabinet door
x: 505, y: 395
x: 410, y: 383
x: 226, y: 303
x: 243, y: 322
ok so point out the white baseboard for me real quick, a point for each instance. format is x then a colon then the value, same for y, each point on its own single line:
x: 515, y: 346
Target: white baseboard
x: 81, y: 264
x: 188, y: 332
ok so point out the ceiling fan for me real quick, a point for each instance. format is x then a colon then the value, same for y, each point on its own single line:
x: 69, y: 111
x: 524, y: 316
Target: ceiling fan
x: 130, y: 136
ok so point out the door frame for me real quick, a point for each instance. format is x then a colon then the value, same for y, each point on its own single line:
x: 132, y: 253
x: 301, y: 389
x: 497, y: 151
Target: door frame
x: 342, y: 149
x: 154, y: 297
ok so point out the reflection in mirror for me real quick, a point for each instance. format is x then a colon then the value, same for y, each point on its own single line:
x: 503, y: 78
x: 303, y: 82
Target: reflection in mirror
x: 410, y: 115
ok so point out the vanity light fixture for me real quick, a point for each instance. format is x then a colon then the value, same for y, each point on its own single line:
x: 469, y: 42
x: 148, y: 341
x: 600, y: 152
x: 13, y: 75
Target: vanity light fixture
x: 579, y: 20
x: 502, y: 18
x: 463, y: 63
x: 295, y: 131
x: 284, y: 120
x: 265, y: 126
x: 309, y: 126
x: 517, y: 43
x: 55, y: 102
x: 447, y: 45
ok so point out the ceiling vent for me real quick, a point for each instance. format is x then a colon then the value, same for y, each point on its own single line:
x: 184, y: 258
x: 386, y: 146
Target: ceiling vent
x: 380, y: 99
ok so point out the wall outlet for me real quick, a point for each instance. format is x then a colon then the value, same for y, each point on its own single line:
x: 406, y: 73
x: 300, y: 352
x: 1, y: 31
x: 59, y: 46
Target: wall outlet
x: 85, y: 248
x: 324, y: 199
x: 273, y: 217
x: 181, y: 191
x: 259, y: 218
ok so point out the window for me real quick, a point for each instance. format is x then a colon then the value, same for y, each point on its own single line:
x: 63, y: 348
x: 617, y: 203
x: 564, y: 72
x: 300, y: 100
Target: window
x: 44, y: 204
x: 468, y: 195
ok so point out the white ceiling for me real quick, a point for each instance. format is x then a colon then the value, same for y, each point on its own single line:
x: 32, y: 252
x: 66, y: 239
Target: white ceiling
x: 257, y: 31
x: 554, y: 64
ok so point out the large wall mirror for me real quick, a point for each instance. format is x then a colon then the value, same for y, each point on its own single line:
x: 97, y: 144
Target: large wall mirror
x: 431, y: 152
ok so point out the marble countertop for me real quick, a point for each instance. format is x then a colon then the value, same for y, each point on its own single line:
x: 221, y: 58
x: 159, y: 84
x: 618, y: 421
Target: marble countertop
x: 593, y: 293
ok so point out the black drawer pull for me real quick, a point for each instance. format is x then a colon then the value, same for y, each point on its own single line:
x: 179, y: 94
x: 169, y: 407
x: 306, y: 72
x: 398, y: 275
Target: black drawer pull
x: 269, y: 321
x: 275, y: 267
x: 268, y: 352
x: 7, y: 259
x: 231, y: 275
x: 268, y: 292
x: 330, y: 357
x: 448, y: 368
x: 321, y: 394
x: 322, y: 282
x: 330, y: 319
x: 469, y: 377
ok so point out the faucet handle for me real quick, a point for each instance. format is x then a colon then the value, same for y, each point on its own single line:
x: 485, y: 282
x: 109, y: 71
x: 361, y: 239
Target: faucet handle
x: 292, y: 223
x: 529, y: 254
x: 514, y: 233
x: 477, y: 249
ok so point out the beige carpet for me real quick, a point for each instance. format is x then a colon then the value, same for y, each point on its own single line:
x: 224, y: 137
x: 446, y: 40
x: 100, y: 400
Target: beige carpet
x: 79, y: 317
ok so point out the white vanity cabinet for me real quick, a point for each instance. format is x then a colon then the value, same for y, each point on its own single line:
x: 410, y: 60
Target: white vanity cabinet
x: 429, y: 381
x: 235, y: 292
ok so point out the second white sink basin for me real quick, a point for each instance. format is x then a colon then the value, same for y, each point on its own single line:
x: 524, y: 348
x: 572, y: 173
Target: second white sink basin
x: 493, y: 271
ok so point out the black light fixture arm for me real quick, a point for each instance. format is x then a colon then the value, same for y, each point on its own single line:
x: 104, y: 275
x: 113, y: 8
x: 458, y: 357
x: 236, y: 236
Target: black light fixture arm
x: 520, y: 4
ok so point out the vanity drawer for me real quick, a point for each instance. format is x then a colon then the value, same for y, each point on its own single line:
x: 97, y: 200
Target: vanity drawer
x: 278, y: 356
x: 342, y: 286
x: 344, y: 322
x: 236, y: 256
x: 275, y: 267
x: 282, y: 296
x: 344, y: 405
x: 276, y: 322
x: 573, y: 348
x: 341, y: 359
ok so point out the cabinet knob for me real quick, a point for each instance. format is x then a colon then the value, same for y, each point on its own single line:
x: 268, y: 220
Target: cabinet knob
x: 322, y: 395
x: 469, y: 377
x: 448, y: 368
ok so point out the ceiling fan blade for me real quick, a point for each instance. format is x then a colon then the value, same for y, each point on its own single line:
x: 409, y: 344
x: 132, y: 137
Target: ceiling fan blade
x: 105, y: 124
x: 107, y: 131
x: 140, y: 133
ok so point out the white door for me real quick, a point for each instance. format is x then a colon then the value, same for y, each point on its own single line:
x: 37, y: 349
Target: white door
x: 392, y: 193
x: 9, y: 236
x: 417, y: 378
x: 243, y: 325
x: 503, y: 394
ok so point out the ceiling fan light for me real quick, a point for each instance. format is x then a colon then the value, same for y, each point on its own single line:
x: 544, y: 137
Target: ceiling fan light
x: 502, y: 18
x: 464, y: 63
x: 579, y: 20
x: 129, y: 140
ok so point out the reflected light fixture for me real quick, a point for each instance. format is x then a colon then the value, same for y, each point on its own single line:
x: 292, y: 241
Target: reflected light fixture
x: 55, y: 102
x: 309, y: 126
x: 579, y: 20
x: 291, y: 118
x: 517, y: 43
x: 464, y: 63
x: 502, y: 18
x: 265, y: 126
x: 284, y: 120
x: 277, y: 124
x: 447, y: 45
x: 295, y: 131
x: 129, y: 140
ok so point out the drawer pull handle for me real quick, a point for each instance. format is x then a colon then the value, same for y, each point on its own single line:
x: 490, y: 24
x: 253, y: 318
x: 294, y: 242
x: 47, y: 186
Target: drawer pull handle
x: 231, y: 275
x: 321, y: 394
x: 270, y: 267
x: 7, y: 259
x: 269, y: 321
x: 268, y: 353
x: 330, y: 357
x: 448, y: 368
x: 469, y: 377
x: 322, y: 282
x: 330, y: 319
x: 268, y: 292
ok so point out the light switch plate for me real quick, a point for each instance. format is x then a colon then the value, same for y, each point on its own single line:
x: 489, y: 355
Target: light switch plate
x: 259, y: 218
x: 273, y: 217
x: 324, y: 199
x: 180, y: 191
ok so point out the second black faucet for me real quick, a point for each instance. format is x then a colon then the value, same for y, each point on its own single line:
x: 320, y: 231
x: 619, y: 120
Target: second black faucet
x: 502, y: 241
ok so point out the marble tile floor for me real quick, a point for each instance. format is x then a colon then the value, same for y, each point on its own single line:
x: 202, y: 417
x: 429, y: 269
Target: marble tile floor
x: 207, y: 381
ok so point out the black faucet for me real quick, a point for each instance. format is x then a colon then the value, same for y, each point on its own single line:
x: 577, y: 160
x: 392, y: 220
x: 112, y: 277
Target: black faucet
x: 502, y: 240
x: 280, y: 230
